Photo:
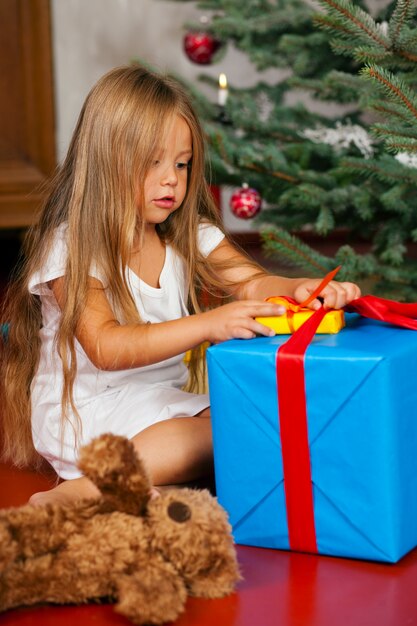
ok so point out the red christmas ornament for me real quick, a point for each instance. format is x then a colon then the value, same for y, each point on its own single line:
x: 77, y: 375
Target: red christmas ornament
x: 200, y: 47
x: 245, y: 202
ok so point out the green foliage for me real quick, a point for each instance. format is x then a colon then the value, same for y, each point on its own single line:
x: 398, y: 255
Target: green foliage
x: 349, y: 167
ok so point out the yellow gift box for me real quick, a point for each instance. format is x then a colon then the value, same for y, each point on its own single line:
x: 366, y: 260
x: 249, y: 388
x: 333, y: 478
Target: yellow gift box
x: 296, y: 315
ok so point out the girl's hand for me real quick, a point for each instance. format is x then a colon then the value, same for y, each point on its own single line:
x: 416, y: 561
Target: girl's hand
x: 335, y: 295
x: 236, y: 320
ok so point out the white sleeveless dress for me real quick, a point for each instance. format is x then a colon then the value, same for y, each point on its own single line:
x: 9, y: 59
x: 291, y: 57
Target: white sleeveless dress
x: 125, y: 401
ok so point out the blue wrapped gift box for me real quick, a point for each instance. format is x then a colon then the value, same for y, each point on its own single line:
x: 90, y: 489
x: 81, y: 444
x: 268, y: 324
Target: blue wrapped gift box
x: 361, y: 389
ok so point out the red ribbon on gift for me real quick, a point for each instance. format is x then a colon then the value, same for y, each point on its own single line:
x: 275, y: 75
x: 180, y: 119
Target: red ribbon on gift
x: 293, y: 408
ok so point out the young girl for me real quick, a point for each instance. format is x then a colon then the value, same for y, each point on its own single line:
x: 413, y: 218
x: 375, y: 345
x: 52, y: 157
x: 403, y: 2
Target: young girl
x: 108, y: 299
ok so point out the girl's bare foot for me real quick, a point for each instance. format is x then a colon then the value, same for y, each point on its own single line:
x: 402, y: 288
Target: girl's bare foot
x: 66, y: 492
x: 73, y: 490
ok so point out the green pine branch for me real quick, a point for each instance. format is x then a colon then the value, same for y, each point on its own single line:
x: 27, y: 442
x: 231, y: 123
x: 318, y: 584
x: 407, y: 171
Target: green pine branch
x: 279, y: 243
x: 394, y: 88
x: 349, y: 20
x: 384, y: 169
x: 403, y: 13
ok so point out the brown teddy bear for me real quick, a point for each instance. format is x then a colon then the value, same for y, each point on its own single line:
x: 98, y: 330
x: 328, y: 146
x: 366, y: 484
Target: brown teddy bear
x: 147, y: 554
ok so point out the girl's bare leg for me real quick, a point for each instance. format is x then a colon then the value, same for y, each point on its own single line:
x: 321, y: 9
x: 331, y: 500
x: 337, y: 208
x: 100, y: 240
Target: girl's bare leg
x: 174, y: 451
x: 177, y: 450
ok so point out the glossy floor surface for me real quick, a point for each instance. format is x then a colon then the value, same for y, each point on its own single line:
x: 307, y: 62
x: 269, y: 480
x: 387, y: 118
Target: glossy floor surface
x: 279, y: 588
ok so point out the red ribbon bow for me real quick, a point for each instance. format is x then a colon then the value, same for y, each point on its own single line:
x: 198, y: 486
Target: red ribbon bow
x: 293, y: 412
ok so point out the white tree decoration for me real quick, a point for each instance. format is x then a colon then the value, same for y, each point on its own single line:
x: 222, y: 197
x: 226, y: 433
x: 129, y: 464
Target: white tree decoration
x: 342, y: 137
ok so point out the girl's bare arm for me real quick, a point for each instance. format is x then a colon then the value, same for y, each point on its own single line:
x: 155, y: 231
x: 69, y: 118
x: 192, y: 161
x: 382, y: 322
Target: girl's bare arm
x: 113, y: 346
x: 259, y: 286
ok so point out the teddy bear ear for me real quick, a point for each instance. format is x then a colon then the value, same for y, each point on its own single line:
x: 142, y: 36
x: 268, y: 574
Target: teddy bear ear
x: 111, y: 463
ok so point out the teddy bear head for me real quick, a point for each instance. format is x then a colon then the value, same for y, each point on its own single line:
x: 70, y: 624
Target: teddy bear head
x: 191, y: 530
x: 187, y: 527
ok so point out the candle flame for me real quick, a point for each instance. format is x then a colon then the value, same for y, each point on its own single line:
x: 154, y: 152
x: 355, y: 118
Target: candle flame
x: 222, y: 81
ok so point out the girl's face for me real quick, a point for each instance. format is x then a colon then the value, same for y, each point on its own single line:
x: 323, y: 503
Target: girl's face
x: 166, y: 182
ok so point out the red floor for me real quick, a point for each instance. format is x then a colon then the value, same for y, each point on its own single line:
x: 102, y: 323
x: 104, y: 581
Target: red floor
x: 279, y: 588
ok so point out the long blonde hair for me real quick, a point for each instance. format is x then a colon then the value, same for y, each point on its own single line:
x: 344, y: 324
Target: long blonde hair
x: 94, y: 192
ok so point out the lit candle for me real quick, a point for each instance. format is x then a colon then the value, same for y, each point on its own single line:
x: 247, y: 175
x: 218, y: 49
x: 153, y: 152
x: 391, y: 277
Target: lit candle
x: 222, y: 93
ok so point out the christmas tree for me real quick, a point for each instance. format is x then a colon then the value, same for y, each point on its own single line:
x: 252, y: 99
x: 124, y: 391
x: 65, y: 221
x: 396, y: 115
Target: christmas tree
x: 352, y: 170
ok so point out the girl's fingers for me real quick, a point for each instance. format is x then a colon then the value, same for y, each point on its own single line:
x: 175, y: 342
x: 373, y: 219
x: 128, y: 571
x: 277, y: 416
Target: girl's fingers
x: 353, y: 291
x: 236, y: 320
x: 264, y: 309
x: 242, y: 329
x: 245, y: 324
x: 336, y: 295
x: 249, y: 328
x: 261, y: 329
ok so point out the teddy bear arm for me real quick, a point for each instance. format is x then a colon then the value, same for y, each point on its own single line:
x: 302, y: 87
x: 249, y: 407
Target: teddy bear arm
x: 32, y: 531
x: 154, y: 595
x: 26, y: 582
